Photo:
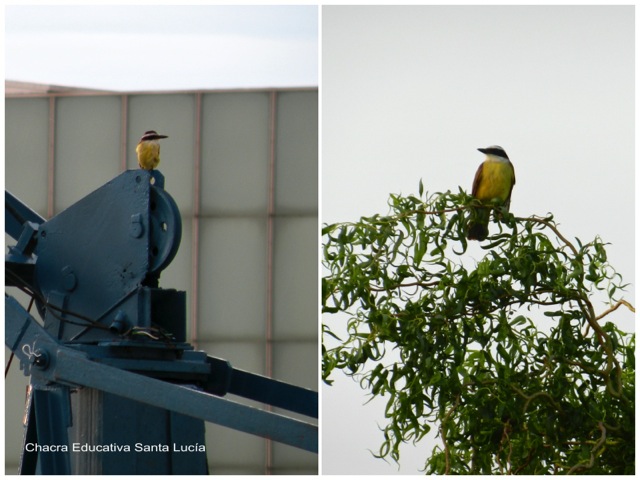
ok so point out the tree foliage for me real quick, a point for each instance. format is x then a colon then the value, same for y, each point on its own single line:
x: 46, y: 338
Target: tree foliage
x: 506, y: 355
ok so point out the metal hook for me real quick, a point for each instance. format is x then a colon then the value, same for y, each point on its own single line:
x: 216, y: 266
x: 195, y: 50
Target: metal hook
x: 28, y: 350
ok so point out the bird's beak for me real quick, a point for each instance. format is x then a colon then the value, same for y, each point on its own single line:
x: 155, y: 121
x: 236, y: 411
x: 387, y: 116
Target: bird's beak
x: 163, y: 136
x: 483, y: 150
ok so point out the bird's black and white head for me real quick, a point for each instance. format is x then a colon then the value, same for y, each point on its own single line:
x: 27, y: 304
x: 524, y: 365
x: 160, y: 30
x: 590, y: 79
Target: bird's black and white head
x: 152, y: 135
x: 495, y: 151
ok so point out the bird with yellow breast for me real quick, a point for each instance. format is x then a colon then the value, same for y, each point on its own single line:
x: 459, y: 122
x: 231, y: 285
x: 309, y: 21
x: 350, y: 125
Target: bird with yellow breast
x: 492, y: 184
x: 148, y: 150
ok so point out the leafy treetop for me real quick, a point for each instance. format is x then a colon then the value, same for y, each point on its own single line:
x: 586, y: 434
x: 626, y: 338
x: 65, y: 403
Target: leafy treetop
x: 508, y: 356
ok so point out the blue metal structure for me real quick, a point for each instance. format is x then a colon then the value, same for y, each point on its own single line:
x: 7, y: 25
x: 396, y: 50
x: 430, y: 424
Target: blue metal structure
x: 114, y: 386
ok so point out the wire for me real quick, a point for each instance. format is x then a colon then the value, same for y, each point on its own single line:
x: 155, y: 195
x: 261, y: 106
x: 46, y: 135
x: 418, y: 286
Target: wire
x: 153, y: 333
x: 26, y: 288
x: 150, y: 332
x: 6, y: 369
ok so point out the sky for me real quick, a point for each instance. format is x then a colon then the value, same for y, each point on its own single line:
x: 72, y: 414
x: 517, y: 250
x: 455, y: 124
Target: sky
x: 411, y: 92
x: 162, y: 47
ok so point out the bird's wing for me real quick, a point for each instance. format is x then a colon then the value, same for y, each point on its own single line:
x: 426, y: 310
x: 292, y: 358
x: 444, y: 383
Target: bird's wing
x: 477, y: 179
x: 507, y: 202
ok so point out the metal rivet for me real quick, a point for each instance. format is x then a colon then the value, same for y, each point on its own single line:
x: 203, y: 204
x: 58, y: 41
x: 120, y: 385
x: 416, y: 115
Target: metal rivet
x: 135, y: 228
x: 69, y: 279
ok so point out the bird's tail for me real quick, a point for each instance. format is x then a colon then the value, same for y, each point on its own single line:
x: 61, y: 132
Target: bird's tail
x: 479, y: 225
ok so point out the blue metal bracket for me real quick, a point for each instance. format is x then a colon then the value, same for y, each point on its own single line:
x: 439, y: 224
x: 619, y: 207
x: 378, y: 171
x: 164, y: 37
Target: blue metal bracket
x: 17, y: 214
x: 114, y: 342
x: 48, y: 361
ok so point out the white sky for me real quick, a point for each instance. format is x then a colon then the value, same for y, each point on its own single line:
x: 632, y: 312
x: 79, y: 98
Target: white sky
x: 162, y: 47
x: 412, y: 92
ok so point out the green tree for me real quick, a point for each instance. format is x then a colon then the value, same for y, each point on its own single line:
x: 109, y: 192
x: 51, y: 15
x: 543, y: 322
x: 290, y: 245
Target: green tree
x: 506, y: 355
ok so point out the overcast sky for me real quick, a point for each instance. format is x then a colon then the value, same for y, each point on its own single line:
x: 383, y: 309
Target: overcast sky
x: 156, y: 47
x: 412, y: 92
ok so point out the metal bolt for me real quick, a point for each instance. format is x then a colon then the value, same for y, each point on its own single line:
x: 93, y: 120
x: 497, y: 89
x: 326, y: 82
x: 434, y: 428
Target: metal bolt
x: 40, y: 359
x: 120, y: 323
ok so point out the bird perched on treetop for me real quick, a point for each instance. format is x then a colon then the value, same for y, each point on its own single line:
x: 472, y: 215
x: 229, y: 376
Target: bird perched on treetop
x: 493, y: 183
x: 148, y: 150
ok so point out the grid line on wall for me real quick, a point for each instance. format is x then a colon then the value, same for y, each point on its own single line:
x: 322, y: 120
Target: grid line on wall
x: 195, y: 225
x: 269, y: 279
x: 124, y: 125
x: 51, y: 157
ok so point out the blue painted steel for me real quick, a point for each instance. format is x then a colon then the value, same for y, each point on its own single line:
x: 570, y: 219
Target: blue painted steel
x: 49, y: 417
x: 72, y: 367
x: 118, y: 341
x: 104, y: 251
x: 16, y: 214
x: 69, y: 366
x: 135, y: 438
x: 21, y: 223
x: 165, y: 228
x: 266, y: 390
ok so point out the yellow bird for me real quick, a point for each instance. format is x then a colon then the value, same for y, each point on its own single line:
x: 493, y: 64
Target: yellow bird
x: 493, y: 183
x: 148, y: 150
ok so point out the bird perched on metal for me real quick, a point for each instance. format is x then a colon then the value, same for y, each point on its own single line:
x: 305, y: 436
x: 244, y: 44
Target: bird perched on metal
x: 493, y: 184
x: 148, y: 150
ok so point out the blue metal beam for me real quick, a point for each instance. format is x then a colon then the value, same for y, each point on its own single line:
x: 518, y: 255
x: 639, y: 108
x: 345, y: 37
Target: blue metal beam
x: 274, y: 392
x: 73, y: 367
x: 47, y: 360
x: 16, y: 214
